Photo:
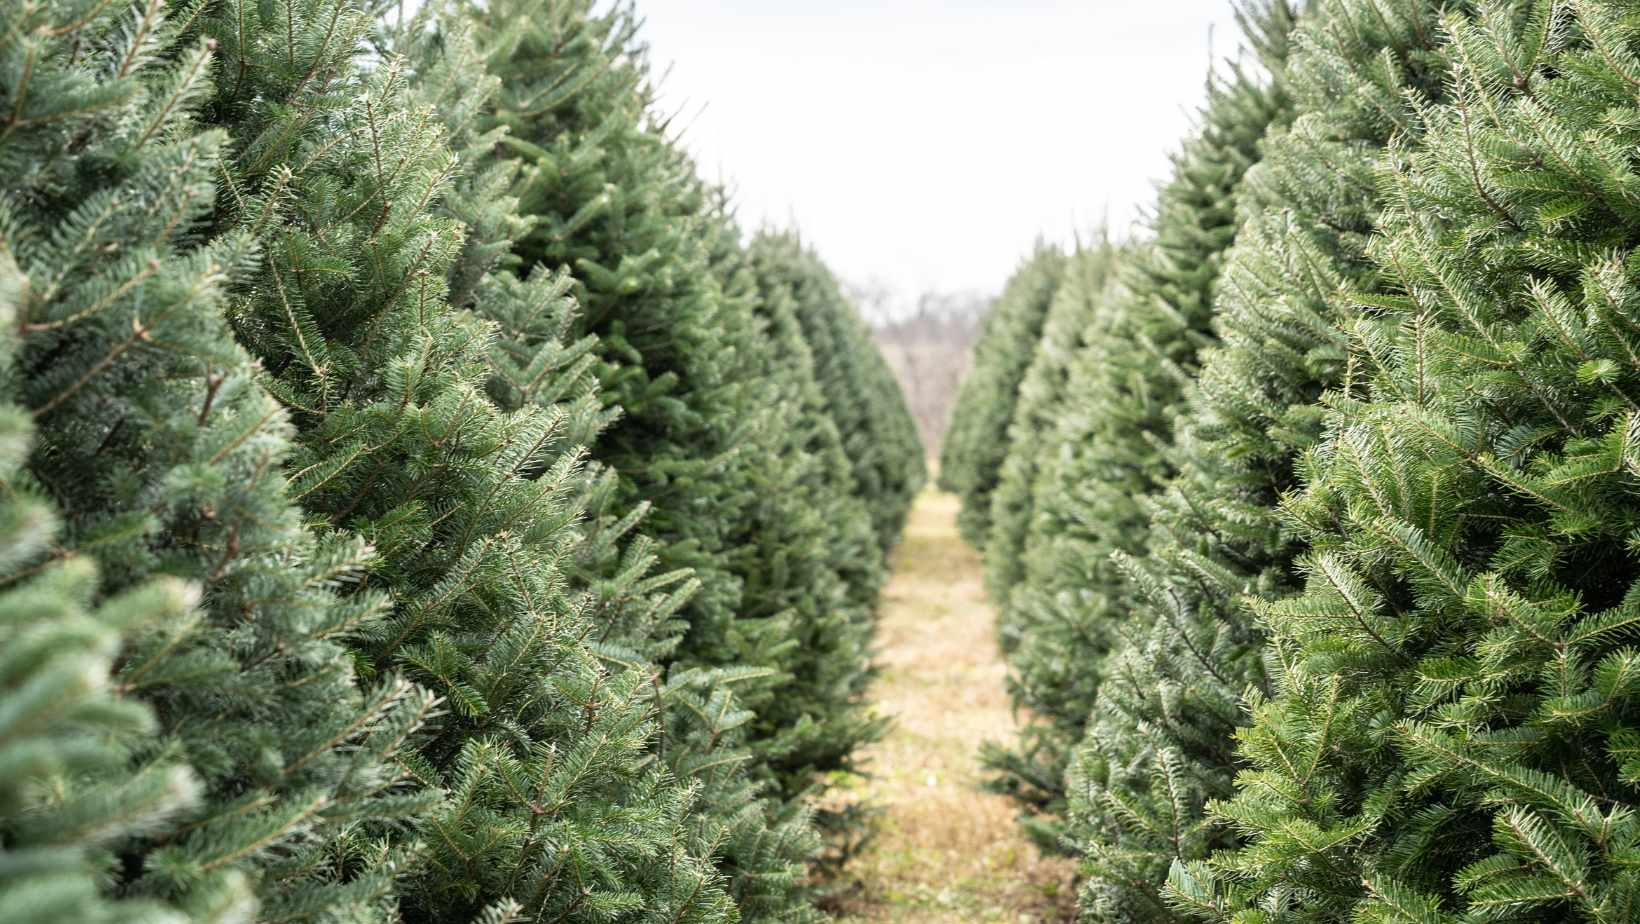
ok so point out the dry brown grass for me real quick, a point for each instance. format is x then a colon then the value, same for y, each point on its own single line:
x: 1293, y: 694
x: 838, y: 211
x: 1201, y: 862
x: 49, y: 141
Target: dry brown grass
x: 948, y: 852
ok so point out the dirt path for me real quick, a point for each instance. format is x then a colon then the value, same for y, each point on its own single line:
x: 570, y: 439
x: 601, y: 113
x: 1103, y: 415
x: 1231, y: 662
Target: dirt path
x: 948, y: 852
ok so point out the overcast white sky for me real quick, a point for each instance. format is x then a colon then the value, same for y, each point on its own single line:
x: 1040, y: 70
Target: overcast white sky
x: 924, y: 144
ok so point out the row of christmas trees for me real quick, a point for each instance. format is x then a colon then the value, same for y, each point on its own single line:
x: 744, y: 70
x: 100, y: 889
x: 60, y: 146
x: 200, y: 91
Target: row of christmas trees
x: 1316, y: 529
x: 416, y: 502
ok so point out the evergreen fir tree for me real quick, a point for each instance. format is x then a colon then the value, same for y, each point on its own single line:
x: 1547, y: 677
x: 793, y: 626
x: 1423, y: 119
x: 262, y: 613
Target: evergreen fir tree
x: 976, y: 443
x: 67, y: 791
x: 164, y: 458
x: 1156, y: 744
x: 1032, y: 768
x: 553, y: 806
x: 1450, y: 735
x: 823, y: 558
x: 792, y: 282
x: 1123, y: 392
x: 1160, y: 742
x: 863, y: 399
x: 761, y: 847
x: 1073, y: 317
x: 618, y: 207
x: 681, y: 351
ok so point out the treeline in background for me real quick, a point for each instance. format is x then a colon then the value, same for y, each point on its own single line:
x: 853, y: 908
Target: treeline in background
x: 930, y: 347
x: 420, y: 500
x: 1312, y: 515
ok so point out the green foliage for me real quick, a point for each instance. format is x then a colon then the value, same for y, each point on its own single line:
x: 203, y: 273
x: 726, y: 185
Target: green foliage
x: 762, y: 848
x: 1450, y: 731
x: 618, y: 207
x: 976, y: 443
x: 1160, y: 741
x: 862, y: 397
x: 1030, y: 537
x: 822, y: 561
x: 792, y: 282
x: 1068, y: 600
x: 705, y: 436
x: 164, y: 459
x: 68, y: 793
x: 1156, y: 743
x: 1075, y: 315
x: 535, y: 545
x: 552, y: 804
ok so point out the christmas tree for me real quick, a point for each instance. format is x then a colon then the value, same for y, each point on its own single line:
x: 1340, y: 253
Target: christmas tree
x: 70, y: 792
x: 975, y: 445
x: 1024, y: 534
x: 820, y: 560
x: 1449, y: 730
x: 614, y: 204
x: 860, y: 394
x: 552, y: 804
x: 1074, y: 316
x: 761, y: 847
x: 1155, y: 744
x: 701, y: 438
x: 793, y: 283
x: 1123, y: 389
x: 1160, y: 741
x: 165, y: 459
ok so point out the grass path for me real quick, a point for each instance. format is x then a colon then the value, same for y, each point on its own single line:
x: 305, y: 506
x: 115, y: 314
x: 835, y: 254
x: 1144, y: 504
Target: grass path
x: 947, y: 852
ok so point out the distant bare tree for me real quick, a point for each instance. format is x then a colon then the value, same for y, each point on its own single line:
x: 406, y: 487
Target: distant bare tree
x: 929, y: 347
